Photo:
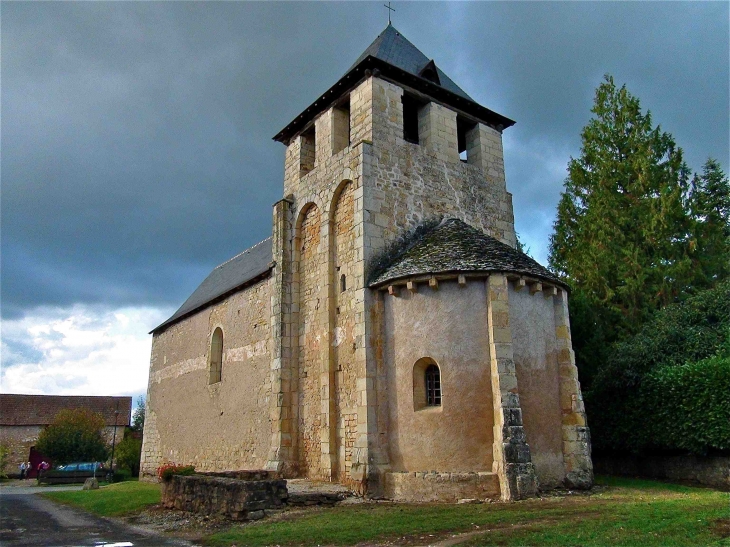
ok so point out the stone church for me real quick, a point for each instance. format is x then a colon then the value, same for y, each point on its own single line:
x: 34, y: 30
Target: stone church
x: 388, y: 336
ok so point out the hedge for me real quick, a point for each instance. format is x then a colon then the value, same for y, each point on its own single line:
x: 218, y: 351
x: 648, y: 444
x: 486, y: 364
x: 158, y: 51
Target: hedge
x: 666, y: 388
x: 681, y: 333
x: 688, y: 407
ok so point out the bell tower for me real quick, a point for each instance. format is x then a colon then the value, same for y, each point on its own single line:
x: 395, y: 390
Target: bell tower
x: 392, y: 144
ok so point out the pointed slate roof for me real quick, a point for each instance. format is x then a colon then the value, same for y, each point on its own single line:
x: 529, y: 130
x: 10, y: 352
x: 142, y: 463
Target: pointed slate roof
x: 225, y: 279
x: 393, y: 48
x: 392, y: 57
x: 454, y: 246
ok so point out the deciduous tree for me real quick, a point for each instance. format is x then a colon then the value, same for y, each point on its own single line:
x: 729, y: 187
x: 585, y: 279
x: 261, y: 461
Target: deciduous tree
x: 74, y: 435
x: 138, y: 417
x: 129, y: 453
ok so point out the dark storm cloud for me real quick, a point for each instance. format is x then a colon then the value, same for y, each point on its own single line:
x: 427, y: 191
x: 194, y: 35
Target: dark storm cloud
x: 136, y: 137
x: 543, y: 61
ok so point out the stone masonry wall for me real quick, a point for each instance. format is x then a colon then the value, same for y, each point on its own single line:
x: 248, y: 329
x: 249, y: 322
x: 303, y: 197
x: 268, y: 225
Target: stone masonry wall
x: 711, y: 471
x: 343, y: 345
x: 512, y: 455
x: 395, y: 185
x: 330, y: 343
x: 448, y: 327
x: 229, y: 497
x: 218, y: 426
x: 449, y: 487
x: 535, y: 356
x: 409, y: 183
x: 19, y: 439
x: 311, y: 301
x: 405, y: 185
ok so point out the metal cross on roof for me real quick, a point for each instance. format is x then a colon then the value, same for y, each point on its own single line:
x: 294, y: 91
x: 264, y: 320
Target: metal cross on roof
x: 389, y: 10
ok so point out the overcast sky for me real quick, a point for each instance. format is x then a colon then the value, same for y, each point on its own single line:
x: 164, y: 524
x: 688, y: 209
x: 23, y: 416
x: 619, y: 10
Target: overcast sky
x: 137, y: 151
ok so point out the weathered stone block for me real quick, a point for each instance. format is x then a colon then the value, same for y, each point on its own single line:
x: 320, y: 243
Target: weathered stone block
x: 235, y: 498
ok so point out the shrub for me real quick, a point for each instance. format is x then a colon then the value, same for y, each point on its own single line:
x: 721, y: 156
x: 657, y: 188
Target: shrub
x: 689, y: 406
x: 628, y: 400
x: 129, y: 452
x: 681, y: 333
x: 166, y: 471
x: 4, y: 460
x: 74, y: 435
x: 121, y: 475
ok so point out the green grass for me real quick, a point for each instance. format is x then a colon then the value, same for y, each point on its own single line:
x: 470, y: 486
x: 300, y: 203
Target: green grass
x: 627, y: 512
x: 113, y: 500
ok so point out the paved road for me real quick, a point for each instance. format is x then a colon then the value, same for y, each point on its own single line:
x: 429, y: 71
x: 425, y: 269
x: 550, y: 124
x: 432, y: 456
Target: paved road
x: 29, y: 520
x: 32, y: 488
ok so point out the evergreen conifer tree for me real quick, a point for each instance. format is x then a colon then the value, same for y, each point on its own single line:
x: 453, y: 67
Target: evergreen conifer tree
x: 710, y: 209
x: 622, y: 234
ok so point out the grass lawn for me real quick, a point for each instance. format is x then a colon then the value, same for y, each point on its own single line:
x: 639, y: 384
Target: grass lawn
x: 113, y: 500
x: 626, y: 512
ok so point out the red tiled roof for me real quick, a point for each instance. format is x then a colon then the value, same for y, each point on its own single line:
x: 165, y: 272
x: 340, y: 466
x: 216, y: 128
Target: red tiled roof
x: 42, y: 409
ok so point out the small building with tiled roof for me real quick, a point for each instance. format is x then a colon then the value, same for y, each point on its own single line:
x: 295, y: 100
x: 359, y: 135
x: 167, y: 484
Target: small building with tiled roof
x: 389, y: 335
x: 23, y: 417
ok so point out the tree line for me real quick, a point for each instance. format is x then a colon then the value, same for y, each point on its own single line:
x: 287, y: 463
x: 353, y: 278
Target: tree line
x: 638, y: 234
x: 77, y: 435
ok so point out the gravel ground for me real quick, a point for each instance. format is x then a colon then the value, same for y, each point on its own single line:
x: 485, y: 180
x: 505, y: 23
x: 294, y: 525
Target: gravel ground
x: 179, y: 524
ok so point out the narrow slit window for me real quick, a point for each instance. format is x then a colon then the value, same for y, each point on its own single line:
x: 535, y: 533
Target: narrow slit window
x: 306, y: 158
x: 463, y: 130
x: 216, y: 357
x: 341, y: 126
x: 343, y: 283
x: 433, y: 386
x: 410, y: 119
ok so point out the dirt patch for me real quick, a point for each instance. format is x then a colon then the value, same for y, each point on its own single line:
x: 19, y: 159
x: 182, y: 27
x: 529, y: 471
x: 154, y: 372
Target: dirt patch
x: 180, y: 524
x: 722, y: 527
x: 505, y: 530
x: 195, y: 527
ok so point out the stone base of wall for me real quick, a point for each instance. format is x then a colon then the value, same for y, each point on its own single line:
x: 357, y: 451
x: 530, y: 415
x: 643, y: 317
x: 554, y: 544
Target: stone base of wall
x: 708, y: 470
x: 225, y: 496
x: 257, y: 475
x: 448, y: 487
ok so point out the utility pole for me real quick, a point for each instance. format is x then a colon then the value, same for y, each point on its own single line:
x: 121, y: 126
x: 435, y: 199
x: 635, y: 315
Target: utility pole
x: 114, y: 442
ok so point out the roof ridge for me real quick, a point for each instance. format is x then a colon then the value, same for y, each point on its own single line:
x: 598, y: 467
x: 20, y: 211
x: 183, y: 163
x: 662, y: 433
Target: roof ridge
x: 252, y: 247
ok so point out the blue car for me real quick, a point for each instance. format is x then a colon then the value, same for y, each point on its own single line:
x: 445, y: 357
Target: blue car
x: 73, y: 472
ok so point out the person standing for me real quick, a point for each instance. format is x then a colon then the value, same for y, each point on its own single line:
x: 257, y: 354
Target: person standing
x: 28, y: 469
x: 22, y: 470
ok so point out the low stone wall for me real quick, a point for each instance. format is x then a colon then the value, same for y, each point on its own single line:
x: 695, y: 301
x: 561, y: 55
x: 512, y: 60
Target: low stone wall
x: 228, y: 496
x: 257, y: 475
x: 708, y: 470
x: 448, y: 487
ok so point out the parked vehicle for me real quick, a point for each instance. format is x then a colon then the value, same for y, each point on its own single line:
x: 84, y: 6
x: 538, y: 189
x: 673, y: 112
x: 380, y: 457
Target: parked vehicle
x: 73, y: 472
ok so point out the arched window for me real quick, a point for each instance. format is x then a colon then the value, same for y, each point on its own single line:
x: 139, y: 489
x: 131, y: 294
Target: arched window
x: 216, y: 356
x: 426, y: 385
x: 433, y: 386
